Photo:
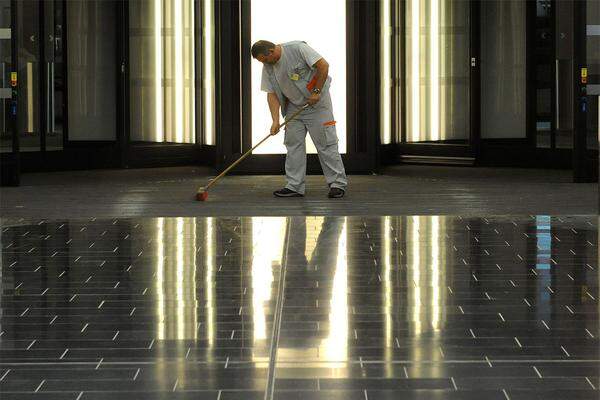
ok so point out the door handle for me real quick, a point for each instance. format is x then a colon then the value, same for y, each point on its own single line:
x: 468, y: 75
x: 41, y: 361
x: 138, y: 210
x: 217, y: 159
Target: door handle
x: 556, y: 97
x: 50, y: 121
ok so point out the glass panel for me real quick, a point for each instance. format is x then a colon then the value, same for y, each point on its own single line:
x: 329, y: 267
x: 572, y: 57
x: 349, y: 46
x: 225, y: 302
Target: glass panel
x: 503, y: 86
x: 545, y: 75
x: 54, y: 80
x: 162, y: 73
x: 92, y: 71
x: 437, y: 71
x: 329, y: 40
x: 5, y: 90
x: 28, y: 75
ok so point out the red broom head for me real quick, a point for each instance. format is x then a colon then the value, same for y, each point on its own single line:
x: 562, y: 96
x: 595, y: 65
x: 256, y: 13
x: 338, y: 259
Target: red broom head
x: 202, y: 195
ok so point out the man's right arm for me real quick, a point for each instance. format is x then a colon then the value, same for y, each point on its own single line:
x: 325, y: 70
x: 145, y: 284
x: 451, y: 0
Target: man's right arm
x: 274, y: 106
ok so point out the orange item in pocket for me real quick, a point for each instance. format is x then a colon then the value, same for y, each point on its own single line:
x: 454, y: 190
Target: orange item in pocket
x: 311, y: 85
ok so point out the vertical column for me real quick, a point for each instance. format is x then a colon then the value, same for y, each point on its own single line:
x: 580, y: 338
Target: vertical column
x: 593, y: 65
x: 208, y: 71
x: 581, y: 161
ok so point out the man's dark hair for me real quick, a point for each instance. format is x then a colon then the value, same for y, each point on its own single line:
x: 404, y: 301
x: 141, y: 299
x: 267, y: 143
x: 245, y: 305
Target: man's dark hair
x: 262, y: 47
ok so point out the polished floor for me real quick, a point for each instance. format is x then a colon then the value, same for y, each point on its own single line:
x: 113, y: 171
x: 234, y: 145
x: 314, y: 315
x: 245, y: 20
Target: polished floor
x: 397, y: 190
x: 370, y: 308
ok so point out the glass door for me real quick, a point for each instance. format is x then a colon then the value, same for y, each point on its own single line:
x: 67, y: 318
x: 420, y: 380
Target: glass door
x: 546, y: 70
x: 162, y: 74
x: 30, y: 84
x: 53, y: 71
x: 6, y: 110
x: 341, y: 39
x: 433, y: 90
x: 40, y: 73
x: 9, y: 140
x: 438, y: 71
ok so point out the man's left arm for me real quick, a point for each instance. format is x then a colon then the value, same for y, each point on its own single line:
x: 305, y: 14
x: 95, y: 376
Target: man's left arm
x: 314, y: 59
x: 322, y: 67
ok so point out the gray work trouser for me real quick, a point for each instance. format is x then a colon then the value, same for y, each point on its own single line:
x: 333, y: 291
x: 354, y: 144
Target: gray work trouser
x: 324, y: 136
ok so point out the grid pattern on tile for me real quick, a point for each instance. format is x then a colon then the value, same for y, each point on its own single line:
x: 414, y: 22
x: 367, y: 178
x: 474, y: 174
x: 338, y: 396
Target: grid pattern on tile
x: 373, y: 308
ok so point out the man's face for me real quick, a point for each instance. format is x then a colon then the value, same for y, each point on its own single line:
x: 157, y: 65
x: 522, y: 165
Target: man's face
x: 267, y: 59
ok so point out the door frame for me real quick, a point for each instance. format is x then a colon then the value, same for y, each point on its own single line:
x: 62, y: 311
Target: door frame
x: 10, y: 161
x: 233, y: 20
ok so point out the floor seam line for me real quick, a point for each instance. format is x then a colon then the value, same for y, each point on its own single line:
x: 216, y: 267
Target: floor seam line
x: 270, y: 386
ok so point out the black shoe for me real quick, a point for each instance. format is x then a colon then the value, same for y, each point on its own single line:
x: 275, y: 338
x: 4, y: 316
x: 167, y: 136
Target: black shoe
x: 336, y: 193
x: 285, y: 192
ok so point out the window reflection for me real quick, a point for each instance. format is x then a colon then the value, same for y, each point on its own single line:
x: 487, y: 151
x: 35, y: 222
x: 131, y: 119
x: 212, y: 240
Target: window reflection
x: 415, y: 274
x: 426, y: 252
x: 387, y: 296
x: 267, y: 249
x: 176, y: 279
x: 210, y: 279
x: 543, y: 256
x: 544, y: 241
x: 436, y: 272
x: 160, y: 278
x: 335, y: 346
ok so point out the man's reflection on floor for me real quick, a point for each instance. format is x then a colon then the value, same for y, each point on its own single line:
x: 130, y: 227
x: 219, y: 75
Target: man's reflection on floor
x: 316, y: 283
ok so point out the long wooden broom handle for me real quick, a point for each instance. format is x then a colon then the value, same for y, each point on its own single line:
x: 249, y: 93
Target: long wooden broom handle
x: 246, y: 154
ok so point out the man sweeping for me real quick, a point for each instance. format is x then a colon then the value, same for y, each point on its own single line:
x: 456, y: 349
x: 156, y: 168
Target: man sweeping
x: 293, y: 76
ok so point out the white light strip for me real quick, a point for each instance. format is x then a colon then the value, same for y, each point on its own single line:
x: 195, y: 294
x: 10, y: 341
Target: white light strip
x: 193, y: 281
x: 179, y: 281
x: 415, y: 72
x: 191, y: 136
x: 387, y: 304
x: 386, y: 134
x: 416, y: 274
x: 387, y: 280
x: 436, y: 242
x: 434, y: 65
x: 178, y: 76
x: 209, y: 134
x: 160, y: 278
x: 158, y: 90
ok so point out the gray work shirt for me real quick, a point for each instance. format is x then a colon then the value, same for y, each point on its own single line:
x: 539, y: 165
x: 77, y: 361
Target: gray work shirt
x: 295, y: 56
